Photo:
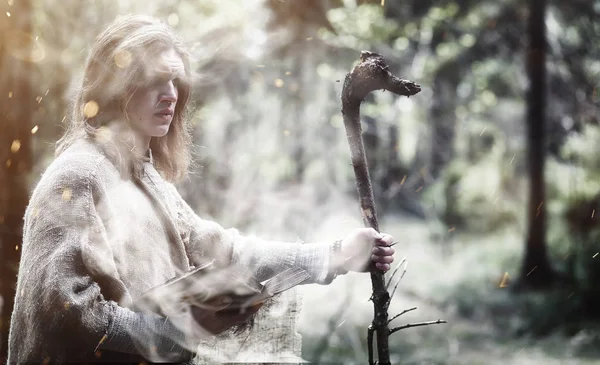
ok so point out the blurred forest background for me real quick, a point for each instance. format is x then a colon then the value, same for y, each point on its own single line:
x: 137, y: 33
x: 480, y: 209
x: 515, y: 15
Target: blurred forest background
x: 489, y: 178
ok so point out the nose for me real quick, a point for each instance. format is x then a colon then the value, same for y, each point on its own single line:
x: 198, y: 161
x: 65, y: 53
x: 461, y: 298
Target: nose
x: 169, y: 93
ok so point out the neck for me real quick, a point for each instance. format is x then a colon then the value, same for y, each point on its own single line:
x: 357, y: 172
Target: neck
x: 142, y: 143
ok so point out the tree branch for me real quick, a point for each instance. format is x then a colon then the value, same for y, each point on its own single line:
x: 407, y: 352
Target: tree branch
x: 401, y: 313
x: 398, y: 281
x: 396, y: 329
x: 394, y: 273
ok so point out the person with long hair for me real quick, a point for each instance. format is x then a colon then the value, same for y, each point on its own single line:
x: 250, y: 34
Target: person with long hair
x: 105, y: 223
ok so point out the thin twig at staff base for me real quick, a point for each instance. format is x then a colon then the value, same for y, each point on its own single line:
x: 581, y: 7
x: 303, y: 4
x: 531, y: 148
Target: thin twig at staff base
x: 394, y: 273
x: 398, y: 281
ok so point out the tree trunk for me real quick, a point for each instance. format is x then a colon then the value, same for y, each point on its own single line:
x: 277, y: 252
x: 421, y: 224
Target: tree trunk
x: 443, y: 117
x: 17, y: 102
x: 536, y: 270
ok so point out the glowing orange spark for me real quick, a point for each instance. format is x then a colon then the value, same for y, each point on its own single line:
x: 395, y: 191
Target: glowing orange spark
x: 596, y: 254
x: 15, y: 146
x: 17, y: 248
x: 10, y: 94
x: 38, y: 99
x: 382, y: 2
x: 8, y: 163
x: 100, y: 342
x: 34, y: 129
x: 504, y: 282
x: 279, y: 83
x: 8, y: 14
x: 403, y: 180
x: 593, y: 212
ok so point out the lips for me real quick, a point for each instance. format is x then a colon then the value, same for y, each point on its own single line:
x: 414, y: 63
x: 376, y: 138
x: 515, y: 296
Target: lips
x: 166, y: 112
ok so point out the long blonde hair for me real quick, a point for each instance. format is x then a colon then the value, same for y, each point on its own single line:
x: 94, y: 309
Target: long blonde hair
x: 112, y: 73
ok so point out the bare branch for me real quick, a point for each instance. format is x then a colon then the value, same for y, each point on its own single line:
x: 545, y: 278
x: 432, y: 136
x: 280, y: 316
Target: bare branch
x: 396, y: 329
x: 401, y: 313
x: 394, y: 273
x: 398, y: 282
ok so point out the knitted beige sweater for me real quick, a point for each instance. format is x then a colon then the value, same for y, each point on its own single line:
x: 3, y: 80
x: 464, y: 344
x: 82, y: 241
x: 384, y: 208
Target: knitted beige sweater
x: 93, y: 242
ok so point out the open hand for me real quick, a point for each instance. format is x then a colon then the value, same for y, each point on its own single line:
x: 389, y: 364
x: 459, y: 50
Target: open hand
x: 366, y: 245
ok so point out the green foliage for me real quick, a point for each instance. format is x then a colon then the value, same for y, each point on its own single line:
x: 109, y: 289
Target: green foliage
x: 359, y: 27
x: 472, y: 190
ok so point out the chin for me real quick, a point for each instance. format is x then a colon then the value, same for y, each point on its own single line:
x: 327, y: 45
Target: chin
x: 160, y: 131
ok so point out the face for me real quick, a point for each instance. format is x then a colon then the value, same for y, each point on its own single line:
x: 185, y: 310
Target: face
x: 152, y: 106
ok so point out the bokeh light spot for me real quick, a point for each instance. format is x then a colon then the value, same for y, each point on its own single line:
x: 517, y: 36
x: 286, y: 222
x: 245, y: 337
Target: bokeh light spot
x: 23, y: 46
x: 15, y: 146
x: 67, y: 194
x: 123, y: 58
x: 173, y: 19
x: 90, y: 109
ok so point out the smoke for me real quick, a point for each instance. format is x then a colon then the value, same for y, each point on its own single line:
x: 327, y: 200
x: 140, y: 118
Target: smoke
x: 272, y: 160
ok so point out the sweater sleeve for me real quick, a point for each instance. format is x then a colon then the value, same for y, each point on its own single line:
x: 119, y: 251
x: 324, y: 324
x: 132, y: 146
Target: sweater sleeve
x: 265, y: 258
x: 65, y: 275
